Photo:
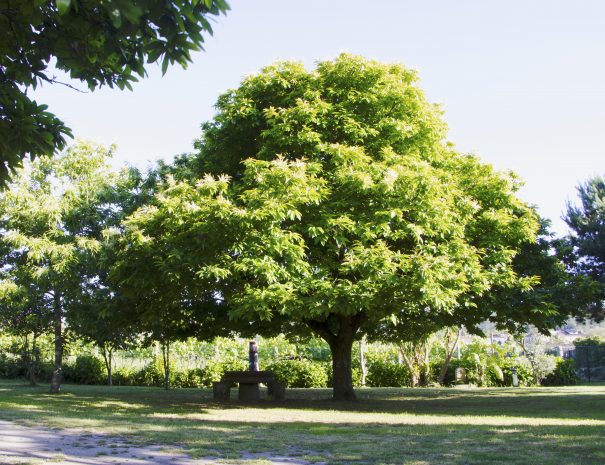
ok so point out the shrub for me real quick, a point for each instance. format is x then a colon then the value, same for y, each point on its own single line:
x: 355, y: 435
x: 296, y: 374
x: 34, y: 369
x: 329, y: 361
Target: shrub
x: 11, y: 367
x: 150, y: 375
x: 450, y: 374
x: 87, y: 369
x: 564, y: 374
x: 384, y: 373
x: 191, y: 378
x: 525, y: 374
x: 124, y: 377
x: 300, y: 373
x: 213, y: 371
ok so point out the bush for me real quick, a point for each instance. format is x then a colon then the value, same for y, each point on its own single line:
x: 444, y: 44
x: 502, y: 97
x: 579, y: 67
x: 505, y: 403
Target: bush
x: 384, y: 373
x: 151, y: 374
x: 564, y: 374
x: 211, y: 373
x: 87, y: 369
x: 214, y: 371
x: 191, y: 378
x: 300, y: 373
x: 11, y: 367
x: 525, y: 374
x: 450, y: 374
x: 124, y: 377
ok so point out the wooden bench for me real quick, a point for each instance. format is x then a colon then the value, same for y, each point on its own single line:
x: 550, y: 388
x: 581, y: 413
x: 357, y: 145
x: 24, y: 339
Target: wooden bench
x: 248, y: 382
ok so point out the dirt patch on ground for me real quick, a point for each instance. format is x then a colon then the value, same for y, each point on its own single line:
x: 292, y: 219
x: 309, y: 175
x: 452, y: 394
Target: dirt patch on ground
x: 20, y: 445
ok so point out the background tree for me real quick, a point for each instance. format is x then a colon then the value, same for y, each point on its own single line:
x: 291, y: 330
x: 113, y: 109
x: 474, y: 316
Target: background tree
x: 51, y: 230
x: 352, y: 210
x: 101, y: 316
x: 585, y: 247
x: 24, y: 308
x: 98, y: 43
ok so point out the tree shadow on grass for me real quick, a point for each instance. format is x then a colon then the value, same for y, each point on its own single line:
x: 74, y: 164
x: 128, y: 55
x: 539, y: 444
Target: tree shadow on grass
x: 536, y: 403
x: 92, y: 401
x: 441, y: 425
x: 365, y: 443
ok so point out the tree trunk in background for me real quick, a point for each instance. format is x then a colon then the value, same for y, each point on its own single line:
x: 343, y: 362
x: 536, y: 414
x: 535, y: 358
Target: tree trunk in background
x: 107, y: 356
x: 31, y: 375
x: 362, y: 360
x: 28, y: 361
x: 166, y: 363
x: 449, y: 352
x: 410, y: 363
x: 55, y: 384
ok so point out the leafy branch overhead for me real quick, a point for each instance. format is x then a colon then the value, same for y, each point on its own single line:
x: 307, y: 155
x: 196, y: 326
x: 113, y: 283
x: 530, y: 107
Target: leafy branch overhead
x: 98, y: 43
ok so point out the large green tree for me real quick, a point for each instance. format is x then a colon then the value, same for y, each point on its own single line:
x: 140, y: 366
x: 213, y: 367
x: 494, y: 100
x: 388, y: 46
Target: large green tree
x: 330, y: 201
x: 99, y: 43
x: 52, y: 218
x: 585, y: 246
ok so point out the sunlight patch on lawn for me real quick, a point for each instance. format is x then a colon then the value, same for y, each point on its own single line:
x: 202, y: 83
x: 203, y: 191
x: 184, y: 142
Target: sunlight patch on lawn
x: 116, y: 404
x: 252, y: 415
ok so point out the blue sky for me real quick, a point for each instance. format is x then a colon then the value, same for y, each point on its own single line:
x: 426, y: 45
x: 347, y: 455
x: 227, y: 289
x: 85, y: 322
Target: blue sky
x: 522, y: 83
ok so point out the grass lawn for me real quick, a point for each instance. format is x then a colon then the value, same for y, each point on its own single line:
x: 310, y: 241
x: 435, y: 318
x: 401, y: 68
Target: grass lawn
x: 387, y: 426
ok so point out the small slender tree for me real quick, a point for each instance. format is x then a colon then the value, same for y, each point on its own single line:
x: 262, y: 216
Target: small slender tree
x: 50, y: 219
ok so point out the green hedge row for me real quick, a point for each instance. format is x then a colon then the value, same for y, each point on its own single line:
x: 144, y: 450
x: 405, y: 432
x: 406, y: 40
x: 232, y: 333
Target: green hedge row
x: 294, y: 373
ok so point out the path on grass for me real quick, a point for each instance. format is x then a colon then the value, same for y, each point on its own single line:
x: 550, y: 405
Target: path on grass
x: 22, y: 445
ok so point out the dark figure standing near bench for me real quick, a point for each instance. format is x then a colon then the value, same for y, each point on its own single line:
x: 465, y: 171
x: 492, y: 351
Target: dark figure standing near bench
x: 249, y: 381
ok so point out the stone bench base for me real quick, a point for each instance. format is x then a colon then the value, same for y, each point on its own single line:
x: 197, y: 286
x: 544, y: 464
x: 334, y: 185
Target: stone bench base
x: 248, y: 382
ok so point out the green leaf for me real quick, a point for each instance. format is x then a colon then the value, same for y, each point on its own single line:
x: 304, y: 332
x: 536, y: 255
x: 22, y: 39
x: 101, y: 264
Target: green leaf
x: 63, y: 6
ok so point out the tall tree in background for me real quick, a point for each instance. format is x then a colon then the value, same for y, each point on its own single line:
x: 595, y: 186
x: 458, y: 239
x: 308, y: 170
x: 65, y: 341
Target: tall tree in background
x: 331, y: 200
x: 98, y: 43
x: 101, y: 317
x: 585, y: 247
x: 52, y: 218
x: 25, y: 307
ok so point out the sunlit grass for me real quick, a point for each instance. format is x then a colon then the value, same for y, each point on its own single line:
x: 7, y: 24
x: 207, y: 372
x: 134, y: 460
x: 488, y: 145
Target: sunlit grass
x: 551, y: 426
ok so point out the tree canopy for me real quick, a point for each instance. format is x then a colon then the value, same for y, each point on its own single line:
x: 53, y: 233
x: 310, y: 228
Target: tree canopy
x: 52, y: 218
x: 98, y: 43
x: 330, y: 200
x: 585, y: 246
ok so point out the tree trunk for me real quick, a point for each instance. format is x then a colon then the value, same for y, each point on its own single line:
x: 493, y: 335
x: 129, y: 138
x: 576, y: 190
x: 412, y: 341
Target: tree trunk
x: 55, y: 384
x: 448, y: 356
x: 166, y: 363
x: 107, y: 357
x: 28, y: 361
x: 341, y: 346
x: 33, y: 362
x: 342, y: 376
x: 411, y: 363
x: 425, y: 373
x: 362, y: 361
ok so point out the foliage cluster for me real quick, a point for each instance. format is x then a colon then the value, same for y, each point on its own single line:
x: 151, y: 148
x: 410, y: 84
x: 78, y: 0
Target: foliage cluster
x: 584, y: 248
x: 564, y: 374
x: 98, y: 43
x: 300, y: 373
